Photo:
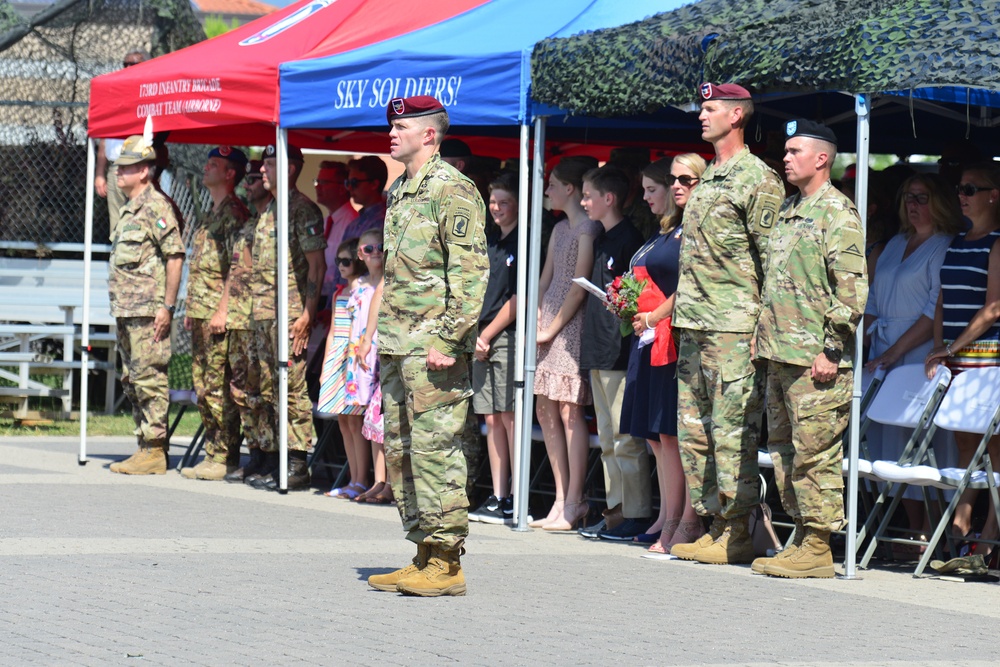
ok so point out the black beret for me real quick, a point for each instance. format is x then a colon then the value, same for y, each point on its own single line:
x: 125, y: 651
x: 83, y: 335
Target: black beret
x: 808, y: 128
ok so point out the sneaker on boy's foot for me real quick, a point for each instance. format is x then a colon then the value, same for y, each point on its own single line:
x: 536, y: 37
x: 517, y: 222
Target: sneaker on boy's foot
x: 507, y: 505
x: 489, y: 512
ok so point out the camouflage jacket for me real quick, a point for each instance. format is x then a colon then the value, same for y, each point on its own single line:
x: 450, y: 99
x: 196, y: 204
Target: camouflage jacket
x: 726, y: 224
x: 305, y: 225
x: 211, y: 252
x: 436, y: 266
x: 146, y: 235
x: 815, y: 286
x: 239, y: 315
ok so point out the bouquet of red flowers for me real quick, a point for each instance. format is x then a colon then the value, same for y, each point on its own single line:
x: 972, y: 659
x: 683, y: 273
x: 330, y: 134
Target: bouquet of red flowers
x: 623, y: 299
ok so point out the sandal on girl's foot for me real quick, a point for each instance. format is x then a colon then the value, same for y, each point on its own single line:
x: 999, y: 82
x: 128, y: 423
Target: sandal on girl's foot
x: 363, y: 497
x: 348, y: 492
x: 553, y: 514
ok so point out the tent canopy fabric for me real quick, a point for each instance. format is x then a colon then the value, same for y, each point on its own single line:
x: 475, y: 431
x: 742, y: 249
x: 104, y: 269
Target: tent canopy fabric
x: 475, y: 63
x: 225, y: 90
x: 861, y: 46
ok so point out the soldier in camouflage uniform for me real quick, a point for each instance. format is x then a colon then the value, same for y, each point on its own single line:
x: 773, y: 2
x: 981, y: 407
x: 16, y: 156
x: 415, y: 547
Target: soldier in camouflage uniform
x: 306, y: 267
x: 814, y: 295
x: 207, y: 305
x: 720, y: 390
x: 147, y: 255
x: 436, y: 271
x: 256, y: 415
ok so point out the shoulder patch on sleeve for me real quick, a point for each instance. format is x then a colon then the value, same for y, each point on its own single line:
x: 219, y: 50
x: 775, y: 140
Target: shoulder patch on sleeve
x: 460, y: 223
x: 852, y: 250
x: 767, y: 210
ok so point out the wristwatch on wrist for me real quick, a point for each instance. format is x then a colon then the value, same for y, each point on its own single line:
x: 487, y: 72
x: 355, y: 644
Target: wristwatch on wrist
x: 833, y: 355
x: 170, y: 309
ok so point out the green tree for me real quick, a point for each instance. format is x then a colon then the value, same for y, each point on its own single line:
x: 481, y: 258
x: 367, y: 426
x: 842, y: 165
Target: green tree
x: 216, y: 25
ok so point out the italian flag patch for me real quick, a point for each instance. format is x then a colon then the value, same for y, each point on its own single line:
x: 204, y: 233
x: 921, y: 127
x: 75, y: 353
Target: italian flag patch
x: 161, y: 223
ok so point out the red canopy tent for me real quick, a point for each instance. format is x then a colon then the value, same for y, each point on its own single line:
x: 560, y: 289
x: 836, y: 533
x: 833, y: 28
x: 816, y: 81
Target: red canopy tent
x: 225, y: 90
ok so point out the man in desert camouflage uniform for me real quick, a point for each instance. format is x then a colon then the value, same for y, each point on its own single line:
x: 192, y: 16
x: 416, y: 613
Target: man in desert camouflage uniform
x: 207, y: 304
x: 815, y: 289
x: 306, y: 267
x: 720, y: 391
x: 147, y: 255
x: 256, y: 415
x: 436, y: 270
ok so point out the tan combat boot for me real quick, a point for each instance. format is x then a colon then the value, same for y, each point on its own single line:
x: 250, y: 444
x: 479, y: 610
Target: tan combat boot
x: 147, y: 461
x: 759, y: 564
x: 688, y: 550
x: 813, y: 559
x: 116, y: 467
x: 387, y: 582
x: 207, y: 469
x: 734, y: 546
x: 442, y: 576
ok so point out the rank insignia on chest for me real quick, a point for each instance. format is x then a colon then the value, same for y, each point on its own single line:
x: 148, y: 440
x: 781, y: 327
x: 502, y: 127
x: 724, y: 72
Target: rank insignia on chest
x: 461, y: 226
x: 161, y: 223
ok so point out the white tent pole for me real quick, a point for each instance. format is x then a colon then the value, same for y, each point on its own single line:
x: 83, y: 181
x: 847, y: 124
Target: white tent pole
x: 861, y: 201
x: 522, y: 280
x: 531, y: 316
x: 88, y: 242
x: 282, y: 304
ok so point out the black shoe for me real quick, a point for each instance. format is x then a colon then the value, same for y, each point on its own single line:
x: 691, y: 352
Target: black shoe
x: 490, y: 512
x: 268, y: 465
x: 507, y: 505
x: 251, y: 468
x: 626, y: 530
x: 591, y: 532
x: 298, y: 475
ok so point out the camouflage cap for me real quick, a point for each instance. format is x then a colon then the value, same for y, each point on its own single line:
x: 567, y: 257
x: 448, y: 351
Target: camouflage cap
x: 811, y: 129
x: 135, y: 150
x: 294, y: 152
x: 411, y: 107
x: 725, y: 91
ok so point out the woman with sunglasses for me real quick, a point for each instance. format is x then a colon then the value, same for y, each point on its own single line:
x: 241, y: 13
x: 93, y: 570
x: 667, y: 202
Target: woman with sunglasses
x: 966, y: 331
x: 649, y: 407
x: 899, y: 318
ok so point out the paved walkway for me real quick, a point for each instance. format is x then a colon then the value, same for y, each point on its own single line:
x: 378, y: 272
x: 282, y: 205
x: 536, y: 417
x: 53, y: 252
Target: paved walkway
x: 102, y: 569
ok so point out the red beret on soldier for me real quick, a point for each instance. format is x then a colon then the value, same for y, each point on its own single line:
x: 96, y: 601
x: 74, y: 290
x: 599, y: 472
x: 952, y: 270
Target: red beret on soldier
x: 411, y: 107
x: 725, y: 91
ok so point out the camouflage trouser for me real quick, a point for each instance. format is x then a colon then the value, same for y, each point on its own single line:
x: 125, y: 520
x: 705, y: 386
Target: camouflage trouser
x: 425, y: 416
x: 144, y: 378
x: 806, y: 421
x: 210, y: 369
x: 719, y: 406
x: 244, y: 386
x: 300, y: 427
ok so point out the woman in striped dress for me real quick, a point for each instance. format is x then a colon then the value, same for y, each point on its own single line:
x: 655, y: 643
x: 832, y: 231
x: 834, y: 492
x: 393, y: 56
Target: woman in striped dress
x: 966, y: 331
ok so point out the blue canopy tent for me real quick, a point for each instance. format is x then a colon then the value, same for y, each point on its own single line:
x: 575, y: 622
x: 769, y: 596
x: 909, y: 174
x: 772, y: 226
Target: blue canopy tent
x: 478, y: 65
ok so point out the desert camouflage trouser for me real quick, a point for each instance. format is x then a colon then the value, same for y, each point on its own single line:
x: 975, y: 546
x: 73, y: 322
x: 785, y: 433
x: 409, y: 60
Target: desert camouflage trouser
x: 806, y: 421
x: 244, y: 385
x: 300, y: 426
x: 211, y: 372
x: 144, y: 378
x: 720, y: 407
x: 426, y: 433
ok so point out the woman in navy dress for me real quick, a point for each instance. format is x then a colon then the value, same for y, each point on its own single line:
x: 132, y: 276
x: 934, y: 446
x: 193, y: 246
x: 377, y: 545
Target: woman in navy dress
x: 649, y: 407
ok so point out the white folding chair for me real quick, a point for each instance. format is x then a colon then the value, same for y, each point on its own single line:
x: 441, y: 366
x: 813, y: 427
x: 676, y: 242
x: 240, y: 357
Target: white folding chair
x: 905, y: 399
x: 972, y: 405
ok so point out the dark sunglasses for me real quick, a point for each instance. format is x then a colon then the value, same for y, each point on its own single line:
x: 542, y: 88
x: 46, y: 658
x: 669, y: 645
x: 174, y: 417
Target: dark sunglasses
x: 686, y: 181
x: 345, y: 261
x: 370, y: 249
x: 921, y: 198
x: 970, y: 190
x: 128, y: 64
x: 353, y: 182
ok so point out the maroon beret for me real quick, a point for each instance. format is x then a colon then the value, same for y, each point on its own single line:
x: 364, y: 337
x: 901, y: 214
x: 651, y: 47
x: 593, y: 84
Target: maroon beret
x: 410, y: 107
x: 727, y: 91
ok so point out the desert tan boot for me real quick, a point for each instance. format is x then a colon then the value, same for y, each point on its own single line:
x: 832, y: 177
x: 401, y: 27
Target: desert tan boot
x: 813, y: 559
x: 147, y: 461
x: 758, y: 565
x: 115, y: 467
x: 207, y: 469
x: 735, y: 545
x: 387, y: 582
x: 688, y: 550
x: 442, y: 576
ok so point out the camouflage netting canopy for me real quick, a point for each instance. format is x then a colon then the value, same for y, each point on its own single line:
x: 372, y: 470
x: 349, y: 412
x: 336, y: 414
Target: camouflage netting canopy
x: 46, y: 63
x: 860, y: 46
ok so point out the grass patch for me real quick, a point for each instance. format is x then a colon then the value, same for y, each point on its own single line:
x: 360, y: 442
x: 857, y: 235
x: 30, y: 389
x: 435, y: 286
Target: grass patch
x: 120, y: 424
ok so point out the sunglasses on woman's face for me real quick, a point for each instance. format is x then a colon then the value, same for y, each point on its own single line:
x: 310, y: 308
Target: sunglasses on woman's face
x: 970, y: 190
x: 686, y: 181
x: 370, y: 249
x: 912, y: 198
x: 345, y: 261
